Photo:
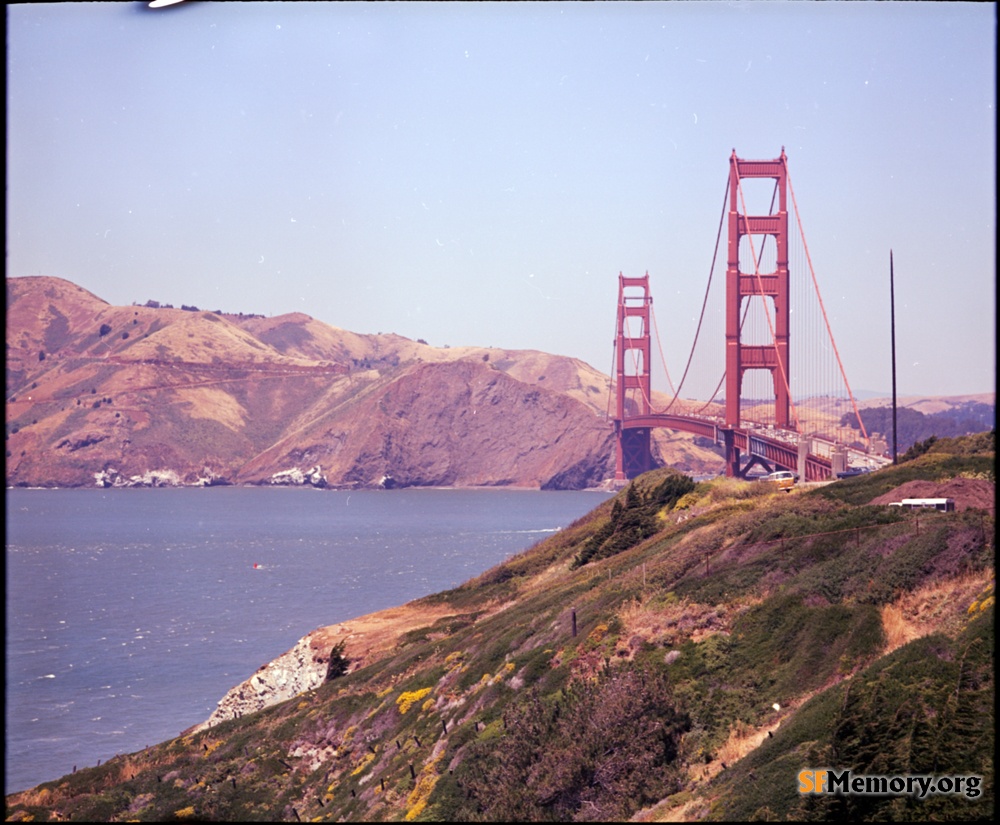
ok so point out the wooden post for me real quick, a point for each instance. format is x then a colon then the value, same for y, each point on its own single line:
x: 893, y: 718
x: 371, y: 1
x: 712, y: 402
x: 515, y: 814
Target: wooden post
x: 573, y: 616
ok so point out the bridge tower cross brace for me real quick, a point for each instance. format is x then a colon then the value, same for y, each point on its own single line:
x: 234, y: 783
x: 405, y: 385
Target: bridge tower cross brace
x: 741, y: 357
x: 633, y: 454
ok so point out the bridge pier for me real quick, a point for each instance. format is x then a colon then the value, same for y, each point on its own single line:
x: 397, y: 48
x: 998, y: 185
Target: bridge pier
x: 633, y: 454
x: 731, y: 452
x: 838, y: 460
x: 805, y: 442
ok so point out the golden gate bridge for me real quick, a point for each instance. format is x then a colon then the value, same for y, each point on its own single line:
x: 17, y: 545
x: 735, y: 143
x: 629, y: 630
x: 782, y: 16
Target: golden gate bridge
x: 770, y: 417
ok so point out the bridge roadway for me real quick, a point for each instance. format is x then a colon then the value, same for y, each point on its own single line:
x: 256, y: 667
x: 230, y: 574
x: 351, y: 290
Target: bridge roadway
x: 777, y: 448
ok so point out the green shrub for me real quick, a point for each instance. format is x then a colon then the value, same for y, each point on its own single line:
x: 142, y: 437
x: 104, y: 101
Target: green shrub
x: 634, y: 519
x: 602, y: 750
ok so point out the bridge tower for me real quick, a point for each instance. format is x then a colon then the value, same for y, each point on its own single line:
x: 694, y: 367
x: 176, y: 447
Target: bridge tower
x: 633, y: 455
x: 741, y: 357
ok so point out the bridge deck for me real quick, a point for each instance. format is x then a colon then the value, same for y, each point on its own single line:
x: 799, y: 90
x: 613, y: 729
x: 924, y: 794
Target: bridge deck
x: 779, y: 449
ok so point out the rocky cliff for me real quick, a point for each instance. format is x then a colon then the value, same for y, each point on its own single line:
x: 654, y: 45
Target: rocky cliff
x: 365, y: 640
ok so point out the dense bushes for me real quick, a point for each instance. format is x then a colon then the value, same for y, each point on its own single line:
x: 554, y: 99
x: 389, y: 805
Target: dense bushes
x: 634, y: 520
x: 926, y: 709
x: 777, y: 649
x: 599, y: 752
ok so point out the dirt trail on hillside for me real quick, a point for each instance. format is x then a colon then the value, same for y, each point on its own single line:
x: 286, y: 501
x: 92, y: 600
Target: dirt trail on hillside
x: 942, y: 606
x: 968, y: 493
x: 370, y: 637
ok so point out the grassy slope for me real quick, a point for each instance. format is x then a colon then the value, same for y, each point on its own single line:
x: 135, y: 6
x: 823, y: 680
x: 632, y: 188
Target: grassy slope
x: 741, y: 599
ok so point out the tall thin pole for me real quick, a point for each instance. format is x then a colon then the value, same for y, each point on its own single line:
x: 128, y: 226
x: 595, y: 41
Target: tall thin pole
x: 892, y: 315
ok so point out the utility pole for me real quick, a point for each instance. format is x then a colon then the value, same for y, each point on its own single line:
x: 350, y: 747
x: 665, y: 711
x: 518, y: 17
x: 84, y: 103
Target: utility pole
x: 892, y: 321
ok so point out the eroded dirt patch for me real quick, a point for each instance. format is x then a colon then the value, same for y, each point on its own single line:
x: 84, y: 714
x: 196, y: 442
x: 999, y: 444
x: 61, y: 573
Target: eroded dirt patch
x: 968, y: 493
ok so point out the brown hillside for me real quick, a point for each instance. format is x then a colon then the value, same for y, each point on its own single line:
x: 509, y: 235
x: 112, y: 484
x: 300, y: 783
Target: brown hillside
x: 148, y: 395
x: 444, y: 425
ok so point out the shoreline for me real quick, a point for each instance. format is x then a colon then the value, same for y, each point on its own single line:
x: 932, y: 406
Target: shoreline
x: 330, y: 488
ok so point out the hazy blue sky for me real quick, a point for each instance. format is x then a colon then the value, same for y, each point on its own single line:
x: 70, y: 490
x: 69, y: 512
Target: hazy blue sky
x: 479, y: 174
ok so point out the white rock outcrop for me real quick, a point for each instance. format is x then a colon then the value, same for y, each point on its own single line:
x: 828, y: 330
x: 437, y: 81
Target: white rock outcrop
x: 300, y: 669
x: 298, y: 478
x: 151, y: 478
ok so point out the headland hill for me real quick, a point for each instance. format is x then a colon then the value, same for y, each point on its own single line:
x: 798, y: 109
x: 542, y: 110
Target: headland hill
x: 684, y: 652
x: 152, y: 395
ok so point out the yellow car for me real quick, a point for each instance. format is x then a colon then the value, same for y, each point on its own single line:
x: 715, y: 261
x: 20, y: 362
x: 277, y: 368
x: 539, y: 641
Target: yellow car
x: 783, y: 478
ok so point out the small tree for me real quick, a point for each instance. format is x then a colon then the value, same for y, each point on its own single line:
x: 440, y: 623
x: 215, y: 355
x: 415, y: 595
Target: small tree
x: 338, y: 662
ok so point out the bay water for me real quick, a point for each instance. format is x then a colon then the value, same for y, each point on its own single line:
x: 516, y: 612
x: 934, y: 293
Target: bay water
x: 130, y: 612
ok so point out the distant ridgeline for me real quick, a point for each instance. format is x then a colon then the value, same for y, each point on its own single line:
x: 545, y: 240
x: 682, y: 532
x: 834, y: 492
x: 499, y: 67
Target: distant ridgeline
x: 151, y: 304
x: 913, y: 426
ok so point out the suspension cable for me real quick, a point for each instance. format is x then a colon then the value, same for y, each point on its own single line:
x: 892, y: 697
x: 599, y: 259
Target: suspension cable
x: 701, y: 317
x: 823, y: 309
x: 659, y: 346
x: 613, y: 373
x: 746, y: 309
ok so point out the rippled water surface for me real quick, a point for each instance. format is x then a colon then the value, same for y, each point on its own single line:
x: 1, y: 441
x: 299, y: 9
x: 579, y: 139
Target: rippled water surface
x: 131, y: 612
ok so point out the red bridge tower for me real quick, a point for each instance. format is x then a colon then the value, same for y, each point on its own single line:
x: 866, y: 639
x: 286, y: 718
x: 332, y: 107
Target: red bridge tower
x: 741, y: 357
x: 632, y: 355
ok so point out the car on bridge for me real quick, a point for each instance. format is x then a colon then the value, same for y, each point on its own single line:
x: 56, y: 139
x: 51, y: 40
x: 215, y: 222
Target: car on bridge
x: 850, y: 472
